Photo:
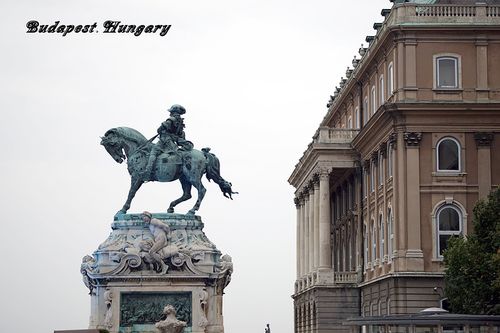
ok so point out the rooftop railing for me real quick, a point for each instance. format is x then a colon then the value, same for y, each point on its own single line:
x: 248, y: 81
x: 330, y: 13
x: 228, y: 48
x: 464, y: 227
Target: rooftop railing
x: 326, y: 134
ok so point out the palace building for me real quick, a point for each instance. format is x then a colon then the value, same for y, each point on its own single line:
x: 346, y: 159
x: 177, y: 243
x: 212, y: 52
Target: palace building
x: 409, y: 143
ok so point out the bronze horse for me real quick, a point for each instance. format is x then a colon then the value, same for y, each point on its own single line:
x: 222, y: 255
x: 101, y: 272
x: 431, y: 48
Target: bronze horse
x: 186, y: 166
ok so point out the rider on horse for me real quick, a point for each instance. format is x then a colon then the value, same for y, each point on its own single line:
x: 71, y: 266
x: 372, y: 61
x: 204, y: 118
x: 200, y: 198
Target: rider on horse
x: 172, y: 137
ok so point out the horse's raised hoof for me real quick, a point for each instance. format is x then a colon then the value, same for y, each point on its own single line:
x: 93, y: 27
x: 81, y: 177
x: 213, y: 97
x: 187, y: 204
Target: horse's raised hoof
x: 170, y: 210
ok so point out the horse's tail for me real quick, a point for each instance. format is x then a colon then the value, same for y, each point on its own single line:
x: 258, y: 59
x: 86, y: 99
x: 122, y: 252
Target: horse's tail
x: 213, y: 173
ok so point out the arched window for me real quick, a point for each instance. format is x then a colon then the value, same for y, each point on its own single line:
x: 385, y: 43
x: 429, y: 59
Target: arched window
x: 358, y: 123
x: 374, y: 100
x: 390, y: 157
x: 449, y: 223
x: 381, y: 231
x: 374, y: 241
x: 365, y: 236
x: 390, y: 233
x: 366, y: 113
x: 390, y: 79
x: 448, y: 155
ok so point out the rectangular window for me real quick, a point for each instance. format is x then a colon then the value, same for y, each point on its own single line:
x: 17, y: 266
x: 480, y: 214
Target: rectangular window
x: 349, y: 123
x: 447, y: 72
x: 358, y: 124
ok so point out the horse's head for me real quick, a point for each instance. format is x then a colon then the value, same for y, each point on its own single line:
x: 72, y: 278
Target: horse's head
x: 114, y: 146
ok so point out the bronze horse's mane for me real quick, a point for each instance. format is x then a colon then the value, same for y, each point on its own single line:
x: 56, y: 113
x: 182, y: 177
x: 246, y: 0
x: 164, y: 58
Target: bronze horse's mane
x: 128, y: 133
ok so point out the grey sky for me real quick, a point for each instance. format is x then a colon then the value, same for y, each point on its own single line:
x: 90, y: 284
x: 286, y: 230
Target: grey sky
x: 254, y: 76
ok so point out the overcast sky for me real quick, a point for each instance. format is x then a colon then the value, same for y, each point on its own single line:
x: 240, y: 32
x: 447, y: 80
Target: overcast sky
x: 254, y: 76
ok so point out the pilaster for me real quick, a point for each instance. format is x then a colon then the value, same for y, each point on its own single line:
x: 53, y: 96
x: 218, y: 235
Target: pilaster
x: 483, y: 143
x: 414, y: 254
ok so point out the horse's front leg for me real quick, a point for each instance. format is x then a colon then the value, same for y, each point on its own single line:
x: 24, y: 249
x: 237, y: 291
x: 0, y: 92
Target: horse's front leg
x: 135, y: 185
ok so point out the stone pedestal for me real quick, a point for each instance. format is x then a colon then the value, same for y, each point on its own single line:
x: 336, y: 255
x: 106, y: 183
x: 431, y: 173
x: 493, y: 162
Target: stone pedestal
x: 130, y: 287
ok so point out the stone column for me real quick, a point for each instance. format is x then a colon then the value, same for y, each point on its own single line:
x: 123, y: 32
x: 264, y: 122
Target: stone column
x: 307, y: 233
x: 483, y: 142
x: 312, y: 244
x: 414, y: 252
x: 298, y: 235
x: 325, y: 253
x: 316, y: 221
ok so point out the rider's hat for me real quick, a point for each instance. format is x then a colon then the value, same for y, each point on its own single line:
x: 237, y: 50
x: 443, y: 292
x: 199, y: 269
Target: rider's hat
x: 176, y: 108
x: 148, y: 214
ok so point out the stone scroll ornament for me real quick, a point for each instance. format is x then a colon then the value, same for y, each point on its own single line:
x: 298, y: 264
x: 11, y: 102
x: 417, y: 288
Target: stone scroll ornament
x: 171, y: 158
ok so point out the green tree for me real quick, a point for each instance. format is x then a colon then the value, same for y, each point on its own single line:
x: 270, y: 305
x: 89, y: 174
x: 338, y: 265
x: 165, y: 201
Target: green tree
x: 472, y: 263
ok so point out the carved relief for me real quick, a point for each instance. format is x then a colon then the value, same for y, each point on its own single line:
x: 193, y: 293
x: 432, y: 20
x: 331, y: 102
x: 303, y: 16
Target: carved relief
x: 108, y: 300
x: 412, y: 138
x: 483, y: 138
x: 203, y: 322
x: 149, y: 308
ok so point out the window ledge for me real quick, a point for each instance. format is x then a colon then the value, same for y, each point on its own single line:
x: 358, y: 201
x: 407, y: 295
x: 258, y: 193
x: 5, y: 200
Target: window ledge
x: 449, y: 174
x: 440, y: 260
x: 447, y: 90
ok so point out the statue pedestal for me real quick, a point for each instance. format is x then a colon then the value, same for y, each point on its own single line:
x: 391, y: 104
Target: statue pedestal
x: 130, y: 284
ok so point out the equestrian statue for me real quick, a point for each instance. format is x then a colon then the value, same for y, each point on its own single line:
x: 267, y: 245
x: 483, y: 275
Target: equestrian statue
x: 171, y: 158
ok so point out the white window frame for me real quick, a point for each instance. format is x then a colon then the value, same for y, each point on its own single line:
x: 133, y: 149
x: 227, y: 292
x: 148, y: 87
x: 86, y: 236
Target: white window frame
x: 381, y: 236
x: 447, y: 233
x: 390, y: 79
x: 390, y: 232
x: 365, y: 259
x: 381, y: 89
x: 373, y: 100
x: 459, y: 148
x: 374, y: 241
x: 435, y: 223
x: 458, y: 70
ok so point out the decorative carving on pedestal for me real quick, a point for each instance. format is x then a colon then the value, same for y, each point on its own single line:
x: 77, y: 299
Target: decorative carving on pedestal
x: 203, y: 322
x: 171, y: 324
x: 145, y: 250
x: 108, y: 300
x: 483, y: 139
x: 412, y: 138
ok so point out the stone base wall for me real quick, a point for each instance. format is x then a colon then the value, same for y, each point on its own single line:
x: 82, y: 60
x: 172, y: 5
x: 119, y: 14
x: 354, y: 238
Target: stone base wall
x: 401, y: 295
x: 322, y: 309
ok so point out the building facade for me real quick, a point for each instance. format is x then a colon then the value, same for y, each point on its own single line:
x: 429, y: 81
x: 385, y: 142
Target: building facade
x: 409, y: 144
